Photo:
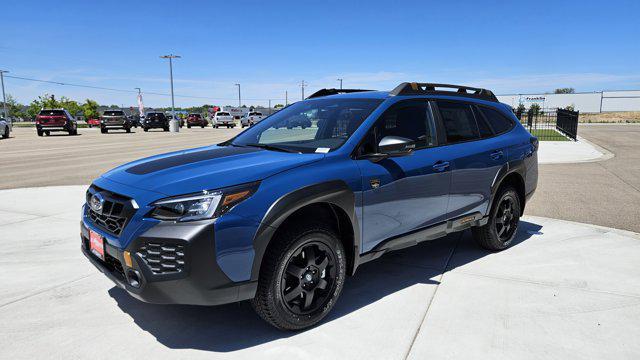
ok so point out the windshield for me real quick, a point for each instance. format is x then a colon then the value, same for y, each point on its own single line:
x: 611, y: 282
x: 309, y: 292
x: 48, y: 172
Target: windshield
x: 309, y: 126
x: 222, y: 114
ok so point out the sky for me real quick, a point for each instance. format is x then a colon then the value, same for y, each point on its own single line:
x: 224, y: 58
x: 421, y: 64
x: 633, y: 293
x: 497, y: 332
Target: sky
x: 269, y: 47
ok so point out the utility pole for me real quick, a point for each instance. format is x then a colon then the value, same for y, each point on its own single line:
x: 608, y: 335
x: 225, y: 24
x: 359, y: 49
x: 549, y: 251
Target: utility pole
x: 269, y: 106
x: 174, y: 125
x: 286, y: 98
x: 239, y: 98
x: 340, y: 80
x: 4, y: 99
x: 302, y: 85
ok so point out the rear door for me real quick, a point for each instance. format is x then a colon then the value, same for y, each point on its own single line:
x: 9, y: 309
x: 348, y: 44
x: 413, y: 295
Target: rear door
x: 406, y: 193
x: 476, y: 156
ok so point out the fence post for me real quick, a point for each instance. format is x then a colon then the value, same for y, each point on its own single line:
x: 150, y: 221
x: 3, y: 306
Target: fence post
x: 601, y: 97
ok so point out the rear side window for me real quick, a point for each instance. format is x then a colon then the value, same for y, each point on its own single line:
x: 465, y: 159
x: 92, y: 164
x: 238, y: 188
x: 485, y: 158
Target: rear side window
x: 114, y: 113
x: 498, y: 122
x: 459, y: 122
x: 223, y: 114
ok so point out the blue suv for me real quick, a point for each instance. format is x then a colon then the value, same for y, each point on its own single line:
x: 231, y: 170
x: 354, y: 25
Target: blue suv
x: 282, y: 213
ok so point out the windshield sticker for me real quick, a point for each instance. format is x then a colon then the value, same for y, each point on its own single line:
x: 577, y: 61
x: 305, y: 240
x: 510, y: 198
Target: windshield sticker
x: 322, y: 150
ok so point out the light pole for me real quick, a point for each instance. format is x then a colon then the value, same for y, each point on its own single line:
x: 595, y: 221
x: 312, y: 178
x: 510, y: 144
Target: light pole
x: 174, y: 125
x: 340, y: 80
x: 286, y: 97
x: 302, y: 85
x: 239, y: 97
x: 4, y: 99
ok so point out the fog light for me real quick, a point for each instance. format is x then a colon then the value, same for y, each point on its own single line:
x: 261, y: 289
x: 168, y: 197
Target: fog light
x: 127, y: 259
x: 134, y: 278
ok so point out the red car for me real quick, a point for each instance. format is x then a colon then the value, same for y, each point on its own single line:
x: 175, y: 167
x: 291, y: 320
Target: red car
x: 196, y: 120
x: 93, y: 122
x: 49, y: 120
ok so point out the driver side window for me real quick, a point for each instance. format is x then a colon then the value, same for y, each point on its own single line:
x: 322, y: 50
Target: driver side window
x: 408, y: 119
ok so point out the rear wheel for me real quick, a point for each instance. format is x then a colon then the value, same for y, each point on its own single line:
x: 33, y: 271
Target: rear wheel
x: 502, y: 227
x: 301, y: 277
x: 128, y: 129
x: 40, y: 133
x: 145, y: 129
x: 5, y: 135
x: 202, y: 126
x: 47, y: 133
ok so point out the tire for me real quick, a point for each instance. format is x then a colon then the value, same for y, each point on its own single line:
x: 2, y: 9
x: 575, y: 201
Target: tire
x: 104, y: 130
x: 202, y: 126
x: 188, y: 126
x: 282, y: 260
x: 499, y: 232
x: 145, y: 129
x: 128, y: 129
x: 165, y: 129
x: 47, y: 133
x: 5, y: 134
x: 39, y: 132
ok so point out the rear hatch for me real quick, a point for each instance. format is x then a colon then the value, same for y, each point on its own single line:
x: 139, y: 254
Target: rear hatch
x: 155, y: 119
x: 51, y: 118
x: 113, y: 117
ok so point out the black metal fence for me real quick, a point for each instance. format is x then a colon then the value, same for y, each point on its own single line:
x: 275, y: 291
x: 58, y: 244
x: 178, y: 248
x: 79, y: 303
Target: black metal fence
x: 550, y: 124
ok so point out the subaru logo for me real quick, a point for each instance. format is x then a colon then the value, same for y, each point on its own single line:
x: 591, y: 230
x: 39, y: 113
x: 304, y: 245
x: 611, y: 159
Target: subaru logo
x: 96, y: 203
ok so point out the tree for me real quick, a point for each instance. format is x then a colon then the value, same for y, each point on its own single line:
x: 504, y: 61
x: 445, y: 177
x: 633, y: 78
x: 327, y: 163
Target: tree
x: 278, y: 106
x: 90, y: 109
x: 534, y: 109
x: 564, y: 91
x: 15, y: 109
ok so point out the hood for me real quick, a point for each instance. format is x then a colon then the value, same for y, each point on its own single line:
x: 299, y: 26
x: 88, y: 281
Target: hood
x: 206, y: 168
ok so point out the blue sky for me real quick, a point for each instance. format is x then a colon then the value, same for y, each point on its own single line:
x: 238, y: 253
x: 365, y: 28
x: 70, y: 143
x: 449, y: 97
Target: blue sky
x: 269, y: 47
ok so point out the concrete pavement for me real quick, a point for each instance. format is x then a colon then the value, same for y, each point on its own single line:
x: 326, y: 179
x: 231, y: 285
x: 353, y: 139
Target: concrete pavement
x: 564, y: 290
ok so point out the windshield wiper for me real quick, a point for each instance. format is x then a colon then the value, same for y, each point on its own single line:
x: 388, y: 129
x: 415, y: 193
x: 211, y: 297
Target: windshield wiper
x: 272, y: 147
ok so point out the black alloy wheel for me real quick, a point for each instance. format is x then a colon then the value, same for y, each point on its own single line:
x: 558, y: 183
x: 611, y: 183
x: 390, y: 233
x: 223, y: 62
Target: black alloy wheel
x: 308, y: 278
x: 505, y: 220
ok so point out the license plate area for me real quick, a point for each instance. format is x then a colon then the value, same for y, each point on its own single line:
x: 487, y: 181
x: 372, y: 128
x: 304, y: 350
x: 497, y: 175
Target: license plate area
x: 96, y: 244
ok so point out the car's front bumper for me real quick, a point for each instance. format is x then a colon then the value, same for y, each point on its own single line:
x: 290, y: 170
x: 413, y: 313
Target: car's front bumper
x: 200, y: 280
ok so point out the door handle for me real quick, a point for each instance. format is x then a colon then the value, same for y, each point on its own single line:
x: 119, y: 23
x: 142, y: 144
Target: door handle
x: 496, y: 154
x: 441, y: 166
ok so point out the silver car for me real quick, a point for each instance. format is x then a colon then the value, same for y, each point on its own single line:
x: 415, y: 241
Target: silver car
x: 5, y: 128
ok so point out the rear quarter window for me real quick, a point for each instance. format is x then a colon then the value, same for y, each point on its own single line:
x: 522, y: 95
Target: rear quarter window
x: 498, y: 122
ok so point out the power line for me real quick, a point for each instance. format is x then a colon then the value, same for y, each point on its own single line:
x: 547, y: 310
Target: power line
x: 128, y: 91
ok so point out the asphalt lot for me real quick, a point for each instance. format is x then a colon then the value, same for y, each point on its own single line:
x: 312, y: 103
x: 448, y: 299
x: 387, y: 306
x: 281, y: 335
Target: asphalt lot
x: 27, y: 160
x: 605, y: 193
x: 562, y: 291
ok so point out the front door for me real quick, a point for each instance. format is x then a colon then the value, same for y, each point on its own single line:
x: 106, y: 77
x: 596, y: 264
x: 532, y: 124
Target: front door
x: 403, y: 194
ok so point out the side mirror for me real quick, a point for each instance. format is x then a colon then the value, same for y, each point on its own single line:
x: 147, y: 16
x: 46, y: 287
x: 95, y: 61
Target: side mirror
x: 396, y: 146
x: 392, y: 146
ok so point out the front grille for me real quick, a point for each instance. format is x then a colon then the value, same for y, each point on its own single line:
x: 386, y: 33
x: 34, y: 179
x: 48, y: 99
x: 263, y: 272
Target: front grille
x: 163, y: 258
x: 116, y: 211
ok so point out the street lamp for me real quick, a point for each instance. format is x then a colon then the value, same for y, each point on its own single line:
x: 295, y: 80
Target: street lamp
x: 4, y: 99
x: 239, y: 98
x: 174, y: 125
x: 302, y: 85
x: 340, y: 80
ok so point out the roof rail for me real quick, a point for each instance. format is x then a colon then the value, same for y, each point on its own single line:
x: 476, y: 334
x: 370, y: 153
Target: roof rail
x: 415, y: 88
x: 327, y: 92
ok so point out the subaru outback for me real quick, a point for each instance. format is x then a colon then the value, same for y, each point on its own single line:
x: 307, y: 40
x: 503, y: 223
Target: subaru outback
x: 280, y: 216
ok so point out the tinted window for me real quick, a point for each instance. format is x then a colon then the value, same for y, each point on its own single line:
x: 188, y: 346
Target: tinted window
x: 408, y: 120
x: 222, y: 114
x: 485, y: 129
x: 114, y: 113
x: 52, y: 113
x: 498, y: 122
x: 459, y: 123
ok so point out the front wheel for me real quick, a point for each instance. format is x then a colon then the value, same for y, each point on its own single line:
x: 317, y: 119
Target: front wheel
x: 499, y: 232
x: 301, y: 277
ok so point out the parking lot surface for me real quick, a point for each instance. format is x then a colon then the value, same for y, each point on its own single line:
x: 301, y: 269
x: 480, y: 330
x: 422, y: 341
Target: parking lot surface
x: 604, y: 193
x: 564, y: 290
x: 28, y: 160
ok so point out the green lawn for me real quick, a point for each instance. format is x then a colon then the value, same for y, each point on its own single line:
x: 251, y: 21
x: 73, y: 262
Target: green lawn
x: 548, y: 135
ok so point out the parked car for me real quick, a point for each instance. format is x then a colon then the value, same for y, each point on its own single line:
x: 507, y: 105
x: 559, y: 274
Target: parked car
x: 280, y: 217
x: 155, y: 120
x: 196, y: 120
x: 301, y: 121
x: 51, y: 120
x: 114, y: 120
x: 93, y: 122
x: 223, y: 118
x: 251, y: 118
x: 5, y: 128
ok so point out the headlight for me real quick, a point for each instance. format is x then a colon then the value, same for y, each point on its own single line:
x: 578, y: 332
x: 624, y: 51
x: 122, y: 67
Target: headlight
x: 204, y: 205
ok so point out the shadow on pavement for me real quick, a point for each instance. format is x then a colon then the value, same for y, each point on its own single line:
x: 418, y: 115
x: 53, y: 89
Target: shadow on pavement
x: 235, y: 326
